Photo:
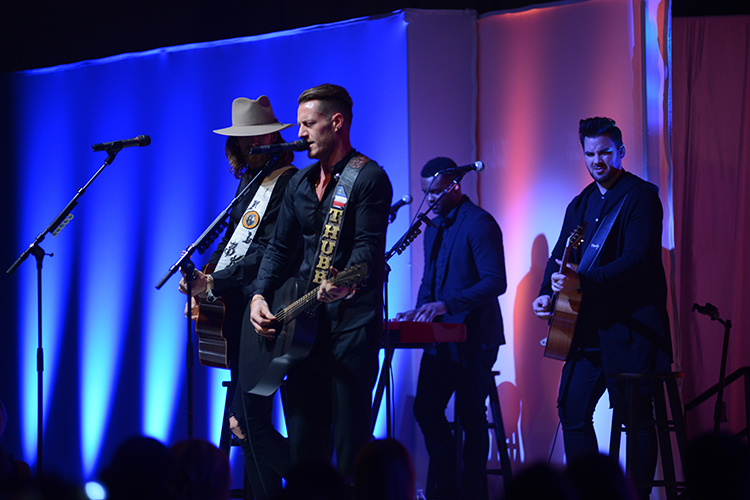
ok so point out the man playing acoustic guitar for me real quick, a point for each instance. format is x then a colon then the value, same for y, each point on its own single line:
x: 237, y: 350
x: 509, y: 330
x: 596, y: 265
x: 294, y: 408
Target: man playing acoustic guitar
x: 234, y: 265
x: 340, y: 206
x: 622, y: 326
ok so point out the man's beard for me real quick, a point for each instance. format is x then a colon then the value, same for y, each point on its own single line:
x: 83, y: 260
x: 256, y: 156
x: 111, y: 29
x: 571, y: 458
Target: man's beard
x: 255, y: 162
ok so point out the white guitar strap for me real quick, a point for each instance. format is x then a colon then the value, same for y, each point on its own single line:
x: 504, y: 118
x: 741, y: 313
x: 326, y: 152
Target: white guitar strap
x: 245, y: 231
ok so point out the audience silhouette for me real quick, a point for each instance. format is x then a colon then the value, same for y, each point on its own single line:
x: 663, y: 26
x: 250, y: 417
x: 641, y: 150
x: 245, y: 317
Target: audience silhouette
x: 384, y: 472
x: 200, y: 471
x: 717, y: 466
x: 140, y: 468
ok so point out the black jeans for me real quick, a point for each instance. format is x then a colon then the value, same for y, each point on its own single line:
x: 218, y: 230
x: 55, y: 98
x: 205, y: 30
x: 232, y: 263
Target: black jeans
x: 266, y: 451
x: 582, y: 383
x: 332, y: 387
x: 446, y: 369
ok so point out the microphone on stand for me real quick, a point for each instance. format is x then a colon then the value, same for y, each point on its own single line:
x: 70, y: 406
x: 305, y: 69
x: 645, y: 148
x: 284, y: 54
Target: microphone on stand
x: 400, y: 203
x: 299, y: 145
x: 709, y: 309
x: 141, y: 140
x: 477, y: 165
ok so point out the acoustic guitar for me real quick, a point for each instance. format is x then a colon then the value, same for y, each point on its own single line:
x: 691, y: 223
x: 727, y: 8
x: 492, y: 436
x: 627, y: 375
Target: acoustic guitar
x: 565, y: 307
x: 216, y: 346
x: 269, y: 360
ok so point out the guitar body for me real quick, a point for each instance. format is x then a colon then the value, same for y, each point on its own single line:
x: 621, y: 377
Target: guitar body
x: 218, y: 326
x: 266, y: 362
x: 213, y: 348
x: 562, y: 325
x: 564, y: 307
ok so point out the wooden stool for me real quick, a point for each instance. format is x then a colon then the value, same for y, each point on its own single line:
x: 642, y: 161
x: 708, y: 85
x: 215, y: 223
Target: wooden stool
x: 626, y: 418
x: 502, y: 445
x: 500, y: 438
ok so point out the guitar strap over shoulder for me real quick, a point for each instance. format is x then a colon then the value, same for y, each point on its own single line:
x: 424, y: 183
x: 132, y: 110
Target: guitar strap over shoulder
x: 329, y: 237
x: 600, y: 236
x: 245, y: 231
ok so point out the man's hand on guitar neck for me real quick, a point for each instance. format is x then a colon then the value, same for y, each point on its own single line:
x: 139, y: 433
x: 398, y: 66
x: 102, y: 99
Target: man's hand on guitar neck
x: 567, y: 281
x: 203, y: 282
x: 328, y: 292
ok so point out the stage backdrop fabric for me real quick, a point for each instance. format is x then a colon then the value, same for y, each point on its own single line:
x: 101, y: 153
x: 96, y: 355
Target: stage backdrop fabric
x: 114, y: 345
x: 539, y: 72
x: 507, y: 89
x: 712, y: 209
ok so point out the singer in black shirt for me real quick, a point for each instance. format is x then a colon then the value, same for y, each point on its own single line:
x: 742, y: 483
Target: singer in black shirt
x: 333, y: 385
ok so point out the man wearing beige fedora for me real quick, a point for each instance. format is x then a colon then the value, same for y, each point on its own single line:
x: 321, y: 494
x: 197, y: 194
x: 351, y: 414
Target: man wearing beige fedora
x: 233, y: 265
x: 340, y: 206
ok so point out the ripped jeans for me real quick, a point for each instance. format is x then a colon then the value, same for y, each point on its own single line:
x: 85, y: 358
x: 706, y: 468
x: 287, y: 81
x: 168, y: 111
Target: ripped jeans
x: 266, y: 451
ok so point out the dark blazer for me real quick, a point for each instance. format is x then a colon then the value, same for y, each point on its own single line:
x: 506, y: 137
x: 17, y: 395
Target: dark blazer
x: 625, y: 290
x: 470, y: 273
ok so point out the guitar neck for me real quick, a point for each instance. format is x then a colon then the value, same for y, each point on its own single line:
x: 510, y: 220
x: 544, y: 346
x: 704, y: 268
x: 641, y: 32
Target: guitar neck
x: 305, y: 303
x: 309, y: 301
x: 565, y: 258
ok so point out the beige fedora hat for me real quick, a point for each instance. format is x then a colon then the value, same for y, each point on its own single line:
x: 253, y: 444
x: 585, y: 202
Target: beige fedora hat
x: 252, y: 117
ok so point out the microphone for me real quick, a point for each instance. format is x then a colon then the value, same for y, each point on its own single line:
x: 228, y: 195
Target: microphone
x: 709, y: 309
x: 400, y: 203
x: 141, y: 140
x: 299, y: 145
x: 477, y: 165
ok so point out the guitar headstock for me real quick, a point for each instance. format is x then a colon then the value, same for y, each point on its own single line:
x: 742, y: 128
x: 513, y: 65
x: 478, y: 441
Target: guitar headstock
x: 576, y: 237
x: 351, y: 275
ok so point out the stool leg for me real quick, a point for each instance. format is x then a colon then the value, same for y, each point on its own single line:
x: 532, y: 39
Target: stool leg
x: 459, y: 438
x: 678, y: 418
x: 665, y: 442
x: 618, y: 415
x: 631, y: 426
x: 500, y: 438
x: 225, y: 439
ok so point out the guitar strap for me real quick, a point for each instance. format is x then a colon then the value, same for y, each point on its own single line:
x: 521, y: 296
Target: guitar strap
x: 600, y: 236
x: 245, y: 231
x: 334, y: 222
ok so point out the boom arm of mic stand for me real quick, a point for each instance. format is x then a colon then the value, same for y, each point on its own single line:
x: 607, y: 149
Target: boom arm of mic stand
x: 212, y: 232
x: 414, y: 231
x: 60, y: 218
x: 408, y: 237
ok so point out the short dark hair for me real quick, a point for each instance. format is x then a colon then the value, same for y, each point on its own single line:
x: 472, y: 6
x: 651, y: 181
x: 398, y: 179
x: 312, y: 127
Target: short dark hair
x: 332, y: 99
x: 597, y: 126
x: 436, y: 165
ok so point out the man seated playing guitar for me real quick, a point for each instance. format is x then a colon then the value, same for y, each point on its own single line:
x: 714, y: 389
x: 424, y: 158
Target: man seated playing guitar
x: 622, y: 326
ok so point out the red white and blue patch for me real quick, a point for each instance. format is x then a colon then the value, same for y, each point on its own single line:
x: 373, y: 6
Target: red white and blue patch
x: 339, y: 198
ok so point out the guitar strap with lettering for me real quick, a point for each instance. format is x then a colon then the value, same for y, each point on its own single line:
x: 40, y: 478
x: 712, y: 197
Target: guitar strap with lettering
x: 600, y: 236
x: 245, y: 231
x: 329, y: 237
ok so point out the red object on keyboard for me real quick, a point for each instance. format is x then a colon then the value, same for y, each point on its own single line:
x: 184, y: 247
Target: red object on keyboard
x: 414, y: 332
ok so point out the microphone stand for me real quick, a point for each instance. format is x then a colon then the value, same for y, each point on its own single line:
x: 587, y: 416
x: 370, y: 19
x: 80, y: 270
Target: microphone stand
x: 37, y: 251
x: 384, y: 382
x: 187, y: 267
x: 719, y: 409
